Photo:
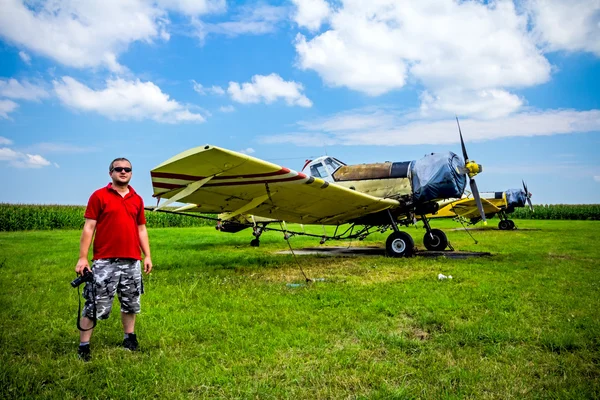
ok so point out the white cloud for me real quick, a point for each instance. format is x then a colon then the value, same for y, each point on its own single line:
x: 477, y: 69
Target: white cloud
x: 311, y: 14
x: 26, y: 58
x: 492, y: 103
x: 253, y: 20
x: 227, y: 109
x: 597, y: 178
x: 5, y: 141
x: 268, y: 89
x: 7, y: 154
x: 198, y: 88
x: 249, y: 150
x: 388, y: 128
x: 479, y: 50
x: 124, y: 100
x: 23, y: 91
x: 217, y: 90
x: 6, y: 107
x: 93, y: 32
x: 340, y: 63
x: 566, y: 25
x: 22, y: 160
x: 194, y: 7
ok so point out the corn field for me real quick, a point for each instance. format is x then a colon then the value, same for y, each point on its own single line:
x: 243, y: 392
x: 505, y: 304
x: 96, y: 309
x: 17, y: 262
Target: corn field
x: 27, y: 217
x: 560, y: 211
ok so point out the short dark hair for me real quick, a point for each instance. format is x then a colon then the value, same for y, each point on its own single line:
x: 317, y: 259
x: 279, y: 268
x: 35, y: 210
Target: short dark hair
x: 110, y: 168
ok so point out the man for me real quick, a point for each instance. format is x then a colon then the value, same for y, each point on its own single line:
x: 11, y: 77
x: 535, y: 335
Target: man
x: 115, y: 214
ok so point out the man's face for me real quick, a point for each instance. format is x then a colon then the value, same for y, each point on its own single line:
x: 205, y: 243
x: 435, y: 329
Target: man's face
x: 121, y: 177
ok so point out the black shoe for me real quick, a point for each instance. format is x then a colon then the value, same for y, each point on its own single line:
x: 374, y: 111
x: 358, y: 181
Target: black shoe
x: 131, y: 343
x: 84, y: 353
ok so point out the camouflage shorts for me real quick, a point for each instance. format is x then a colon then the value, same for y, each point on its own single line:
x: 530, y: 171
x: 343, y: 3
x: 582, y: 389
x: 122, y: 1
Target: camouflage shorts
x: 114, y: 275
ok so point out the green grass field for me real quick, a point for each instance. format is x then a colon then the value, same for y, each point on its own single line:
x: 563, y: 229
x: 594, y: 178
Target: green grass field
x: 219, y: 319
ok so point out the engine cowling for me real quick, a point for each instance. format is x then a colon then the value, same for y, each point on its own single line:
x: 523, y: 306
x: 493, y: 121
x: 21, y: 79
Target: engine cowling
x: 437, y: 176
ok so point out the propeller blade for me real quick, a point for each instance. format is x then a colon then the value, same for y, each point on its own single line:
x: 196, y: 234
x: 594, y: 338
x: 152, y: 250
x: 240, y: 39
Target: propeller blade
x: 528, y: 196
x: 475, y: 192
x: 530, y: 205
x: 462, y: 142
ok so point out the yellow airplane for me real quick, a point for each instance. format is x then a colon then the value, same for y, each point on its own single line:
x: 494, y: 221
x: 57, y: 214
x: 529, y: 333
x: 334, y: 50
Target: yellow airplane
x: 498, y: 203
x: 369, y: 197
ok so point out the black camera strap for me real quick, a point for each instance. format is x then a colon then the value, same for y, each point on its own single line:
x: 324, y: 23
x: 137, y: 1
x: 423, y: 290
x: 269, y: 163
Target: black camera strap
x: 93, y: 283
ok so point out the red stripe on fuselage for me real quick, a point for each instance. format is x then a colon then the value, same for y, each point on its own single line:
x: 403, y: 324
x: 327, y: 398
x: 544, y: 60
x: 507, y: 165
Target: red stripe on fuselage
x: 168, y: 175
x: 172, y: 186
x: 291, y: 178
x: 167, y: 185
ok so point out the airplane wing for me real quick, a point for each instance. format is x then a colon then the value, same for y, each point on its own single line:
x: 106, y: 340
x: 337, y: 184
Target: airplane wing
x: 216, y: 180
x: 468, y: 208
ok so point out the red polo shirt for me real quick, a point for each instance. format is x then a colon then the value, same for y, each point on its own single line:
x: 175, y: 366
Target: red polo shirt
x: 117, y: 219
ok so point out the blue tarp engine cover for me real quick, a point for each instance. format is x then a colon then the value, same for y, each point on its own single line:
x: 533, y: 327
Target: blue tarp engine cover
x: 436, y: 176
x: 516, y: 198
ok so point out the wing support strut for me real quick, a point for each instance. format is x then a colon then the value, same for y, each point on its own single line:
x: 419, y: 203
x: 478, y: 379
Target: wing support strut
x: 252, y: 204
x: 189, y: 189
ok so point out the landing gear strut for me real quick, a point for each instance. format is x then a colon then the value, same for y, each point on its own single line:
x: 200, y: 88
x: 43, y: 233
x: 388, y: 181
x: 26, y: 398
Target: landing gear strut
x: 434, y: 239
x: 398, y: 244
x: 257, y: 232
x: 505, y: 224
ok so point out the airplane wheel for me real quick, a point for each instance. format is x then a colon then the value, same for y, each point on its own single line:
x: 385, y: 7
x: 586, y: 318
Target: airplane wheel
x: 399, y: 244
x: 504, y: 225
x: 255, y: 243
x: 511, y: 224
x: 439, y: 241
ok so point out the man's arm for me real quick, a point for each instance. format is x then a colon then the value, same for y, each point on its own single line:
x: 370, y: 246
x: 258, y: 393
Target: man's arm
x: 145, y: 245
x: 84, y: 245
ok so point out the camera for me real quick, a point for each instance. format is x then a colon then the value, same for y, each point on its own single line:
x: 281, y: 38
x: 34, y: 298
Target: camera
x: 88, y: 276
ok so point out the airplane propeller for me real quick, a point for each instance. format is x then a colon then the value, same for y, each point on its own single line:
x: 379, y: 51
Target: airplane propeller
x: 528, y: 195
x: 471, y: 168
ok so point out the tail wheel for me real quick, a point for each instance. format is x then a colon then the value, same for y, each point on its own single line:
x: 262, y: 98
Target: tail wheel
x: 438, y: 242
x: 504, y: 225
x: 255, y: 243
x: 399, y: 244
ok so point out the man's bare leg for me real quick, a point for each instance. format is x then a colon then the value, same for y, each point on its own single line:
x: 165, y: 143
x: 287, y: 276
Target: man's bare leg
x: 128, y: 320
x: 130, y: 340
x: 84, y: 339
x: 85, y: 336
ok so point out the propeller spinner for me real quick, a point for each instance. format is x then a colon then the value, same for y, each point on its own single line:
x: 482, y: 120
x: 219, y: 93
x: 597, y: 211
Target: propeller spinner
x: 528, y: 196
x: 471, y: 168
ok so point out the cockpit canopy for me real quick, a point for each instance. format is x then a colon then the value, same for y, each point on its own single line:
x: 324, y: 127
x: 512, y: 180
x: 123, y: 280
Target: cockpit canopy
x: 322, y: 167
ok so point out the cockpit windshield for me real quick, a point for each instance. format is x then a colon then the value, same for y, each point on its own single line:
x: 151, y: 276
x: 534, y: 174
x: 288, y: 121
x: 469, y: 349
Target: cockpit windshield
x: 332, y: 164
x: 323, y: 167
x: 317, y: 170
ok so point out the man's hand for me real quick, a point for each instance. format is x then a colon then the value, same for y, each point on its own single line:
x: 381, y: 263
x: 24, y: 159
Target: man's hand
x: 82, y: 264
x: 147, y: 265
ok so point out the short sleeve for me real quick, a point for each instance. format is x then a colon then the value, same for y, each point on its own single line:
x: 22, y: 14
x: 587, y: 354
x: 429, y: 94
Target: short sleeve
x: 94, y: 207
x: 141, y: 217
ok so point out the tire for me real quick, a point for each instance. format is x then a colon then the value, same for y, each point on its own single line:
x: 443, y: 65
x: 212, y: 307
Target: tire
x: 255, y: 243
x: 504, y: 225
x: 399, y: 244
x: 511, y: 224
x: 439, y: 241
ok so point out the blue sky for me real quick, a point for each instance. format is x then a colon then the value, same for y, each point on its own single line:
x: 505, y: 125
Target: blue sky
x: 84, y: 82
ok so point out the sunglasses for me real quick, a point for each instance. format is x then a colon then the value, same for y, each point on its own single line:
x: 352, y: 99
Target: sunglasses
x: 121, y: 169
